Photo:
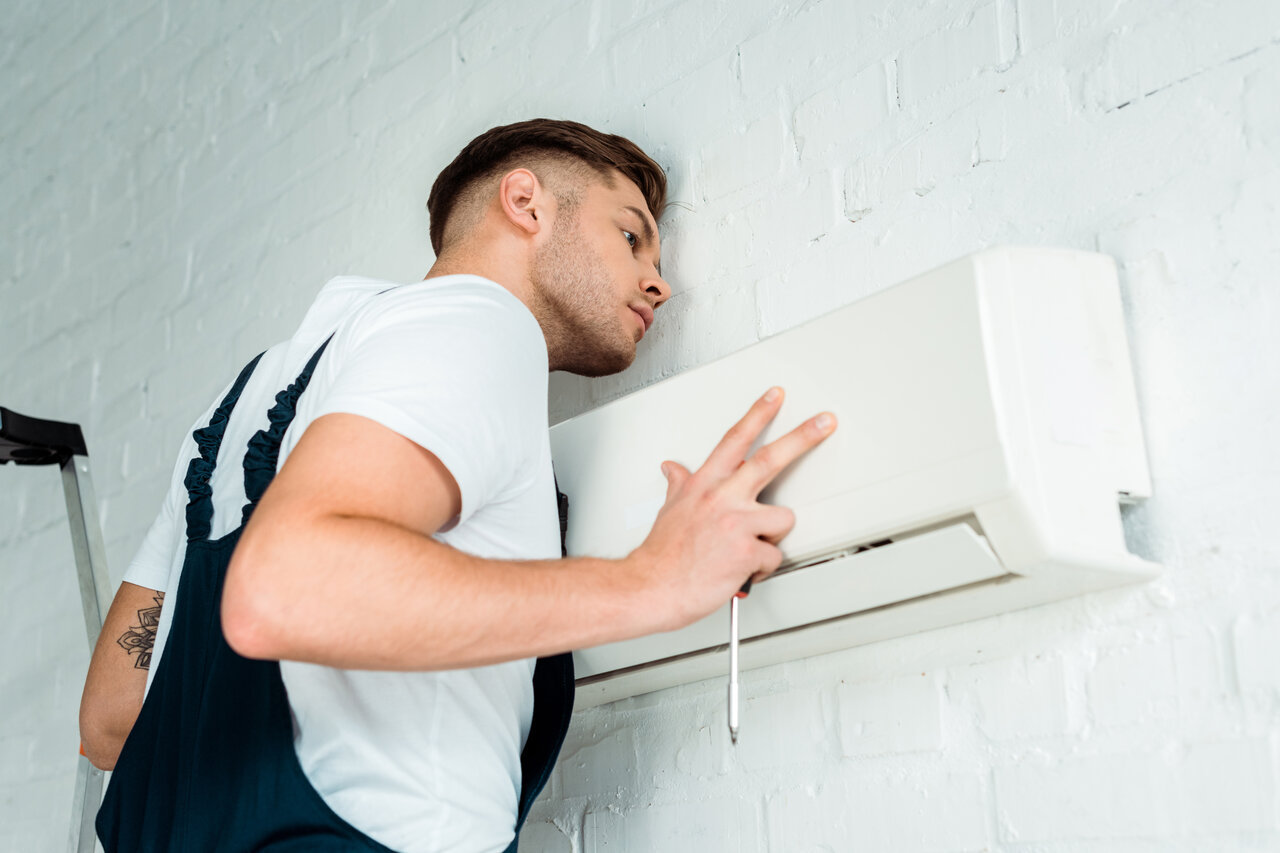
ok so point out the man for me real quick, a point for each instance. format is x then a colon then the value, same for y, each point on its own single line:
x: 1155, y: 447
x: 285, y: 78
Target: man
x: 403, y: 566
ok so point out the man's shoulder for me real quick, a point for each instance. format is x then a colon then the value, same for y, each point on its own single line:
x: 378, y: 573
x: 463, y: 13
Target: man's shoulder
x: 455, y: 305
x: 464, y: 288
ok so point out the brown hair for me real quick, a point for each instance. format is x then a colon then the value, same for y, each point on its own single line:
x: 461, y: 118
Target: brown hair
x: 502, y: 147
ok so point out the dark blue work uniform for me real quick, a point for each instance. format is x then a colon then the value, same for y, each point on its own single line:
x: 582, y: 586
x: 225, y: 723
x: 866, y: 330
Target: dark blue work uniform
x: 210, y: 763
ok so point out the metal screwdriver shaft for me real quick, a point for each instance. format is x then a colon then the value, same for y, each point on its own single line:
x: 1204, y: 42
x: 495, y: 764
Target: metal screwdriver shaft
x: 733, y: 669
x: 733, y: 660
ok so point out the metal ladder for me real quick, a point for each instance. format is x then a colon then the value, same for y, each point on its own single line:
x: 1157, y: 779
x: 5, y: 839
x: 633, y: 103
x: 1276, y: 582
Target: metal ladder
x: 32, y: 441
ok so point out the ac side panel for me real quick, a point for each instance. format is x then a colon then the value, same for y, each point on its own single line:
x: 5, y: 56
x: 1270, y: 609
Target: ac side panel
x: 1075, y: 304
x: 1067, y: 408
x: 905, y: 373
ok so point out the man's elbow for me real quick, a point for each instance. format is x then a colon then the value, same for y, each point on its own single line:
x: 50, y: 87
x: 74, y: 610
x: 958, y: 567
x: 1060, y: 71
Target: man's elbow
x: 100, y: 743
x: 248, y: 616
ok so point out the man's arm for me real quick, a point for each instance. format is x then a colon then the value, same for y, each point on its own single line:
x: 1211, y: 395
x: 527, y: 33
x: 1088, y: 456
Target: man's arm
x: 117, y: 676
x: 337, y: 565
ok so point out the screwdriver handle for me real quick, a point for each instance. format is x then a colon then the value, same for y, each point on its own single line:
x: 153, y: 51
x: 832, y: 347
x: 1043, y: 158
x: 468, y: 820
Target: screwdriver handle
x: 746, y: 589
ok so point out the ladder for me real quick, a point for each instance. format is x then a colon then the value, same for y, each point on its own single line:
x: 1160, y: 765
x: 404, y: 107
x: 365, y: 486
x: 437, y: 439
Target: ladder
x: 32, y: 441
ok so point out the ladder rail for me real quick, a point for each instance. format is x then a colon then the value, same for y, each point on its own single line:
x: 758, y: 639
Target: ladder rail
x: 87, y: 542
x: 95, y: 599
x: 32, y: 441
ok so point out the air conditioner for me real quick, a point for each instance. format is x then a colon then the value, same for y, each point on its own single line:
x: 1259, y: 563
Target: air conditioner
x: 988, y: 430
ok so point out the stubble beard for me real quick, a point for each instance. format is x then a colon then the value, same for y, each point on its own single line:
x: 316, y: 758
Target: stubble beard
x: 575, y: 296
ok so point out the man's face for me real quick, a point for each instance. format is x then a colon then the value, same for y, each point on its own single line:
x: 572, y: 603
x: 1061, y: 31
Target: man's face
x: 596, y: 280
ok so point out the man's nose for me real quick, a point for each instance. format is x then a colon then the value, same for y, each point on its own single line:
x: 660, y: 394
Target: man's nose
x: 659, y: 291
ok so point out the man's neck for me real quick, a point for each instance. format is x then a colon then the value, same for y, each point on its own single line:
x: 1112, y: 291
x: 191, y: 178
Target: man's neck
x: 474, y: 263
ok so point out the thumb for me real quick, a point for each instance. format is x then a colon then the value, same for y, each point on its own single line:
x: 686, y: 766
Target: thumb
x: 676, y: 474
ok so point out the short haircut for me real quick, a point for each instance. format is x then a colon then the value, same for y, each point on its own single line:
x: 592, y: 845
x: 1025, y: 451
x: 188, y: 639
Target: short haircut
x: 501, y: 149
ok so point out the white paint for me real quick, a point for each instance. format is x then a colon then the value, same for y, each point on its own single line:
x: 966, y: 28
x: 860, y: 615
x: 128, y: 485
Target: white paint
x: 181, y: 178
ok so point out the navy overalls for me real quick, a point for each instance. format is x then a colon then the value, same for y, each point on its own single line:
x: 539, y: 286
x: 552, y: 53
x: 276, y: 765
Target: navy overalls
x: 210, y: 763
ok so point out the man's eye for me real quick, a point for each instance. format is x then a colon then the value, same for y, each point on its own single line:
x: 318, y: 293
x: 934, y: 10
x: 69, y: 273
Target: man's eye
x: 631, y: 239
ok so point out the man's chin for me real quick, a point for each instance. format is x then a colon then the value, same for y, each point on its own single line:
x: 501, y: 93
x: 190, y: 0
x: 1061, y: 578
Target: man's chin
x: 603, y: 364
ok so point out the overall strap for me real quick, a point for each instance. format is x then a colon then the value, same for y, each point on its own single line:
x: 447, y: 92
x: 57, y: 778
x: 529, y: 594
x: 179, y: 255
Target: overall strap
x: 263, y: 450
x: 553, y: 689
x: 200, y: 469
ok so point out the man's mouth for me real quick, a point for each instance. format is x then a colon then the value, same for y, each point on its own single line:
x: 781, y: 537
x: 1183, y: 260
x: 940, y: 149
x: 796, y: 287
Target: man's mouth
x: 645, y: 315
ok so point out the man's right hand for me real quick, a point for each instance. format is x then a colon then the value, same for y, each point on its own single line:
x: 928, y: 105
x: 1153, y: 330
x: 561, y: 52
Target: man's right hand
x: 712, y: 533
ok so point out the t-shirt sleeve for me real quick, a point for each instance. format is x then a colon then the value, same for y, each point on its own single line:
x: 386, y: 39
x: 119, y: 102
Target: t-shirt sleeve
x: 151, y: 564
x: 459, y: 370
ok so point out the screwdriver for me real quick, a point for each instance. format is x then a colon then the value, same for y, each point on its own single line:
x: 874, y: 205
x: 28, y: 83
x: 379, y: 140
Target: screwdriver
x: 733, y: 660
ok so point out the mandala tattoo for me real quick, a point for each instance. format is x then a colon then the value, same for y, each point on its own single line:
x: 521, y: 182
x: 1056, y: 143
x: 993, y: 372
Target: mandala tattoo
x: 141, y: 638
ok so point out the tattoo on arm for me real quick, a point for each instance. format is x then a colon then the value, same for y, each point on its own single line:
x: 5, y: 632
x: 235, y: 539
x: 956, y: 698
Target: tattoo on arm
x: 142, y: 638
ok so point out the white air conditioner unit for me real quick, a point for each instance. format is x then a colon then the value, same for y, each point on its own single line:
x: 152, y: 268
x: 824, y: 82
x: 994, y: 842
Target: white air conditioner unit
x: 988, y: 428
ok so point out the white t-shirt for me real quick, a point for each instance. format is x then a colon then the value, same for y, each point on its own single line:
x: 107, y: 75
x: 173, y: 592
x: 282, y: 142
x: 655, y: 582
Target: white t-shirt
x: 419, y: 761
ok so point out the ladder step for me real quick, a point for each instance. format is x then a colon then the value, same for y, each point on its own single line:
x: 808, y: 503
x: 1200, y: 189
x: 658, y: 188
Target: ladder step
x: 32, y: 441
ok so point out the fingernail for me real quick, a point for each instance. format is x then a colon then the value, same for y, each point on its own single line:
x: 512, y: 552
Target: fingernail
x: 824, y: 422
x: 772, y: 394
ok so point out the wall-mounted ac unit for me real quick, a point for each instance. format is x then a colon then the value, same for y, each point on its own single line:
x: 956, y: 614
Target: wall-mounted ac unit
x: 988, y: 430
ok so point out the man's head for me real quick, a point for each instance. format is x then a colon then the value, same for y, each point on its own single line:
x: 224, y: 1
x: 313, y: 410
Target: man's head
x: 565, y: 217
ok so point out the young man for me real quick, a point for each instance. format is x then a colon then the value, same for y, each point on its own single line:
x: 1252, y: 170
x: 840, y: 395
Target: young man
x: 346, y: 659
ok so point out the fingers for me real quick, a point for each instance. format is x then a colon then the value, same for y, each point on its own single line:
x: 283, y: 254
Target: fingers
x: 774, y: 523
x: 770, y: 460
x: 732, y: 449
x: 768, y: 557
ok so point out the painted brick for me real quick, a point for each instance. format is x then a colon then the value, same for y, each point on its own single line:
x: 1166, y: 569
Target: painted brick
x: 1152, y: 52
x: 544, y: 837
x: 396, y: 91
x: 1257, y: 637
x: 1208, y: 805
x: 400, y: 30
x: 1042, y: 22
x: 895, y: 716
x: 689, y: 257
x: 742, y: 158
x: 1102, y: 796
x: 781, y: 729
x: 926, y: 813
x: 656, y: 50
x: 1202, y: 667
x: 954, y: 55
x: 1261, y: 125
x: 821, y: 44
x: 600, y: 766
x: 675, y: 140
x: 681, y: 827
x: 817, y: 817
x: 184, y: 177
x: 916, y: 166
x: 719, y: 321
x: 45, y: 830
x: 1133, y: 685
x: 835, y: 118
x: 797, y: 215
x: 696, y: 755
x: 1013, y: 698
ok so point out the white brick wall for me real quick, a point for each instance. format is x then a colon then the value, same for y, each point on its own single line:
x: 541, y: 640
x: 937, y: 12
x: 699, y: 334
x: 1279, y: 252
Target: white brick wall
x: 181, y: 178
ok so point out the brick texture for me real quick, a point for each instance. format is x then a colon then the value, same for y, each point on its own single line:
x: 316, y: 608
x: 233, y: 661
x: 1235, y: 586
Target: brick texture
x: 182, y: 178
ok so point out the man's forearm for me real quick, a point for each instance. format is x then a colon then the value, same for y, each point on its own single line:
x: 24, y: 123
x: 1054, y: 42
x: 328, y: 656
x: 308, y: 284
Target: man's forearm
x: 117, y: 677
x: 362, y: 593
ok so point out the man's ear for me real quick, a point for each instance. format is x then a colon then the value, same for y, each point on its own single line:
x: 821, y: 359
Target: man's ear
x: 524, y: 201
